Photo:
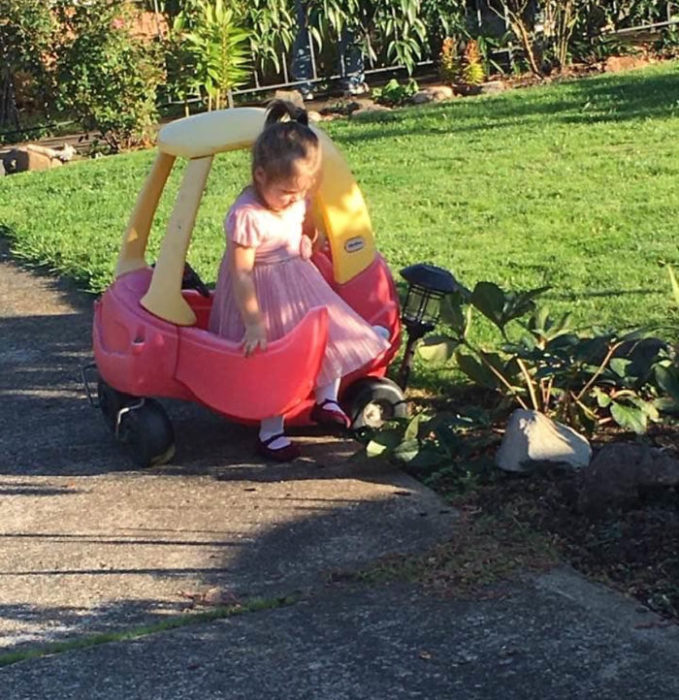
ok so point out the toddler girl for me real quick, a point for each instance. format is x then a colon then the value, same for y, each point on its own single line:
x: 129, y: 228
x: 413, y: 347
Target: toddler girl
x: 266, y: 281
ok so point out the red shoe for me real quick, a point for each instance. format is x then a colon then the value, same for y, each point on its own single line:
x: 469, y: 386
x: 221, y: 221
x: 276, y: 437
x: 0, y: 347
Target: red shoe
x: 278, y: 454
x: 334, y: 417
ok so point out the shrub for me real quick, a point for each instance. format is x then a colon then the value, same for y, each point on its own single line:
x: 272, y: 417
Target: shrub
x: 462, y: 69
x: 449, y: 65
x: 585, y: 378
x: 107, y: 78
x: 471, y: 67
x: 26, y: 31
x: 393, y: 93
x: 219, y: 50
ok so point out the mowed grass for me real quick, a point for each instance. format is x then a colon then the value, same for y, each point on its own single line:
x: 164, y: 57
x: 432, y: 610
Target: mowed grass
x: 574, y: 185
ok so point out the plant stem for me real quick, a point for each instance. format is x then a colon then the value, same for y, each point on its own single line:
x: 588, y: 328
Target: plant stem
x: 529, y: 384
x: 600, y: 369
x: 497, y: 373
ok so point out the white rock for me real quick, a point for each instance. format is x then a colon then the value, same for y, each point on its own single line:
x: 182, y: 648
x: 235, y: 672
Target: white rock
x: 532, y: 437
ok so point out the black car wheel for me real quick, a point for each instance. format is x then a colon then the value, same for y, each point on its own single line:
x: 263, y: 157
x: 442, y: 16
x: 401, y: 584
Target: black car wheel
x: 372, y: 401
x: 144, y: 428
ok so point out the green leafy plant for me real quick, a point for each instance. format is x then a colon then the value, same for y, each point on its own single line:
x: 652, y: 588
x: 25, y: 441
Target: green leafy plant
x: 27, y: 30
x: 668, y: 45
x: 389, y: 30
x: 107, y: 79
x: 449, y: 62
x: 487, y: 46
x: 584, y: 379
x: 435, y: 446
x: 272, y: 27
x: 395, y: 93
x: 471, y: 67
x: 220, y: 50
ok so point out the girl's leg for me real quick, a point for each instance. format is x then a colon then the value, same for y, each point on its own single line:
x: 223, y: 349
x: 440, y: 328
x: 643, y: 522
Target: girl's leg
x: 273, y: 428
x: 326, y: 409
x: 272, y: 440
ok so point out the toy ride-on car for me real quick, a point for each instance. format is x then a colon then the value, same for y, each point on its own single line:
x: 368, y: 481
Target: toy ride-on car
x: 150, y: 326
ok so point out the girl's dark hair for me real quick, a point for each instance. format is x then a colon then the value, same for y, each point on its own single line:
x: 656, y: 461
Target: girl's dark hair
x: 283, y: 143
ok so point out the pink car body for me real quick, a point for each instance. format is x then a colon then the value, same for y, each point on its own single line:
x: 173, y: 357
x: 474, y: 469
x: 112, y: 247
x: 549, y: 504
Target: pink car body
x: 142, y: 355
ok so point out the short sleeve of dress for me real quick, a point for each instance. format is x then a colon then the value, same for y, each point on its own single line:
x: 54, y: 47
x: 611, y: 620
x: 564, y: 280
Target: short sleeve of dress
x: 242, y: 226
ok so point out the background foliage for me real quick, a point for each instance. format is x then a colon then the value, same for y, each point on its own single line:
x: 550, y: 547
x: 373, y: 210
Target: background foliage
x: 106, y: 78
x: 50, y: 53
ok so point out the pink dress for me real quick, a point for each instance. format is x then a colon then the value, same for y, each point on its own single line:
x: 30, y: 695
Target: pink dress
x: 287, y: 285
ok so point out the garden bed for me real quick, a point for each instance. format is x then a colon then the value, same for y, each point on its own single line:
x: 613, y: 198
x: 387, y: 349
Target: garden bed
x: 633, y: 549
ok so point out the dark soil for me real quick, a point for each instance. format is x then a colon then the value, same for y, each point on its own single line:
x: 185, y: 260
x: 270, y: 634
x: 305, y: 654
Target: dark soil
x: 635, y: 549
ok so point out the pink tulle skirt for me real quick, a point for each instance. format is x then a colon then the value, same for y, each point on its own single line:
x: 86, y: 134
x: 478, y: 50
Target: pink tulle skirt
x: 286, y: 291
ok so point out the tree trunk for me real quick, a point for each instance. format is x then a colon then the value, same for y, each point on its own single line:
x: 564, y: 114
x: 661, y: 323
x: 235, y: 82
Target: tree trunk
x: 9, y: 114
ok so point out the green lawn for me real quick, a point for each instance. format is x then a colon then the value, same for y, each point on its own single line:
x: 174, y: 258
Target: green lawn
x: 573, y: 185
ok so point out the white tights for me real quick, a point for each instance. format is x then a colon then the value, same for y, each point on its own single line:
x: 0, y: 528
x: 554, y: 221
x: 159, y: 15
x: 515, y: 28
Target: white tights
x: 328, y: 392
x: 275, y: 425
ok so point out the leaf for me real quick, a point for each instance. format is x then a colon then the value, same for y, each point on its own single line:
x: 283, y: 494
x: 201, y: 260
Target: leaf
x: 407, y: 450
x: 630, y: 417
x: 452, y: 313
x: 413, y: 430
x: 383, y: 441
x: 620, y: 365
x: 502, y: 307
x: 674, y: 283
x: 489, y: 299
x: 603, y: 399
x: 437, y: 348
x: 518, y: 304
x: 476, y: 371
x: 667, y: 379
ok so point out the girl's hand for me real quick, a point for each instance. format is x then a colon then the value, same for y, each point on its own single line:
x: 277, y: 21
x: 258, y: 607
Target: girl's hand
x: 255, y: 337
x: 305, y: 248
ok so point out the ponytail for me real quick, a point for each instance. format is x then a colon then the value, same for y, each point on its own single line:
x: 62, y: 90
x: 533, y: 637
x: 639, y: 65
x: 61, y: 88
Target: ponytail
x: 285, y: 140
x: 279, y: 109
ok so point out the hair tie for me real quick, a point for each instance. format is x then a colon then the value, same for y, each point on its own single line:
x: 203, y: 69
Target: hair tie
x: 279, y: 109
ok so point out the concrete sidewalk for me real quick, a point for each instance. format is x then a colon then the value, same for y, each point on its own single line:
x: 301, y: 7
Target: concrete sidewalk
x: 552, y: 638
x: 90, y: 545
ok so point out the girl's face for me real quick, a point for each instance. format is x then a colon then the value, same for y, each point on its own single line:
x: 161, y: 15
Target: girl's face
x: 278, y: 194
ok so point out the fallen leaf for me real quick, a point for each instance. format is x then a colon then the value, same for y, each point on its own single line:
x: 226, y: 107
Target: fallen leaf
x: 213, y: 596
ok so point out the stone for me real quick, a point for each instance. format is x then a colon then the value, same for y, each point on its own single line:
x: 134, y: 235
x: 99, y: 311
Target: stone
x: 369, y: 108
x: 441, y: 92
x: 20, y: 160
x: 421, y: 98
x: 2, y: 167
x: 34, y: 158
x: 467, y: 90
x: 433, y: 93
x: 314, y: 116
x: 615, y: 64
x: 620, y: 471
x: 294, y: 96
x: 492, y: 87
x: 531, y: 437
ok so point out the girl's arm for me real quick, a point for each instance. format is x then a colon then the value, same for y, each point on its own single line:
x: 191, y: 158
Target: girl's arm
x: 242, y: 262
